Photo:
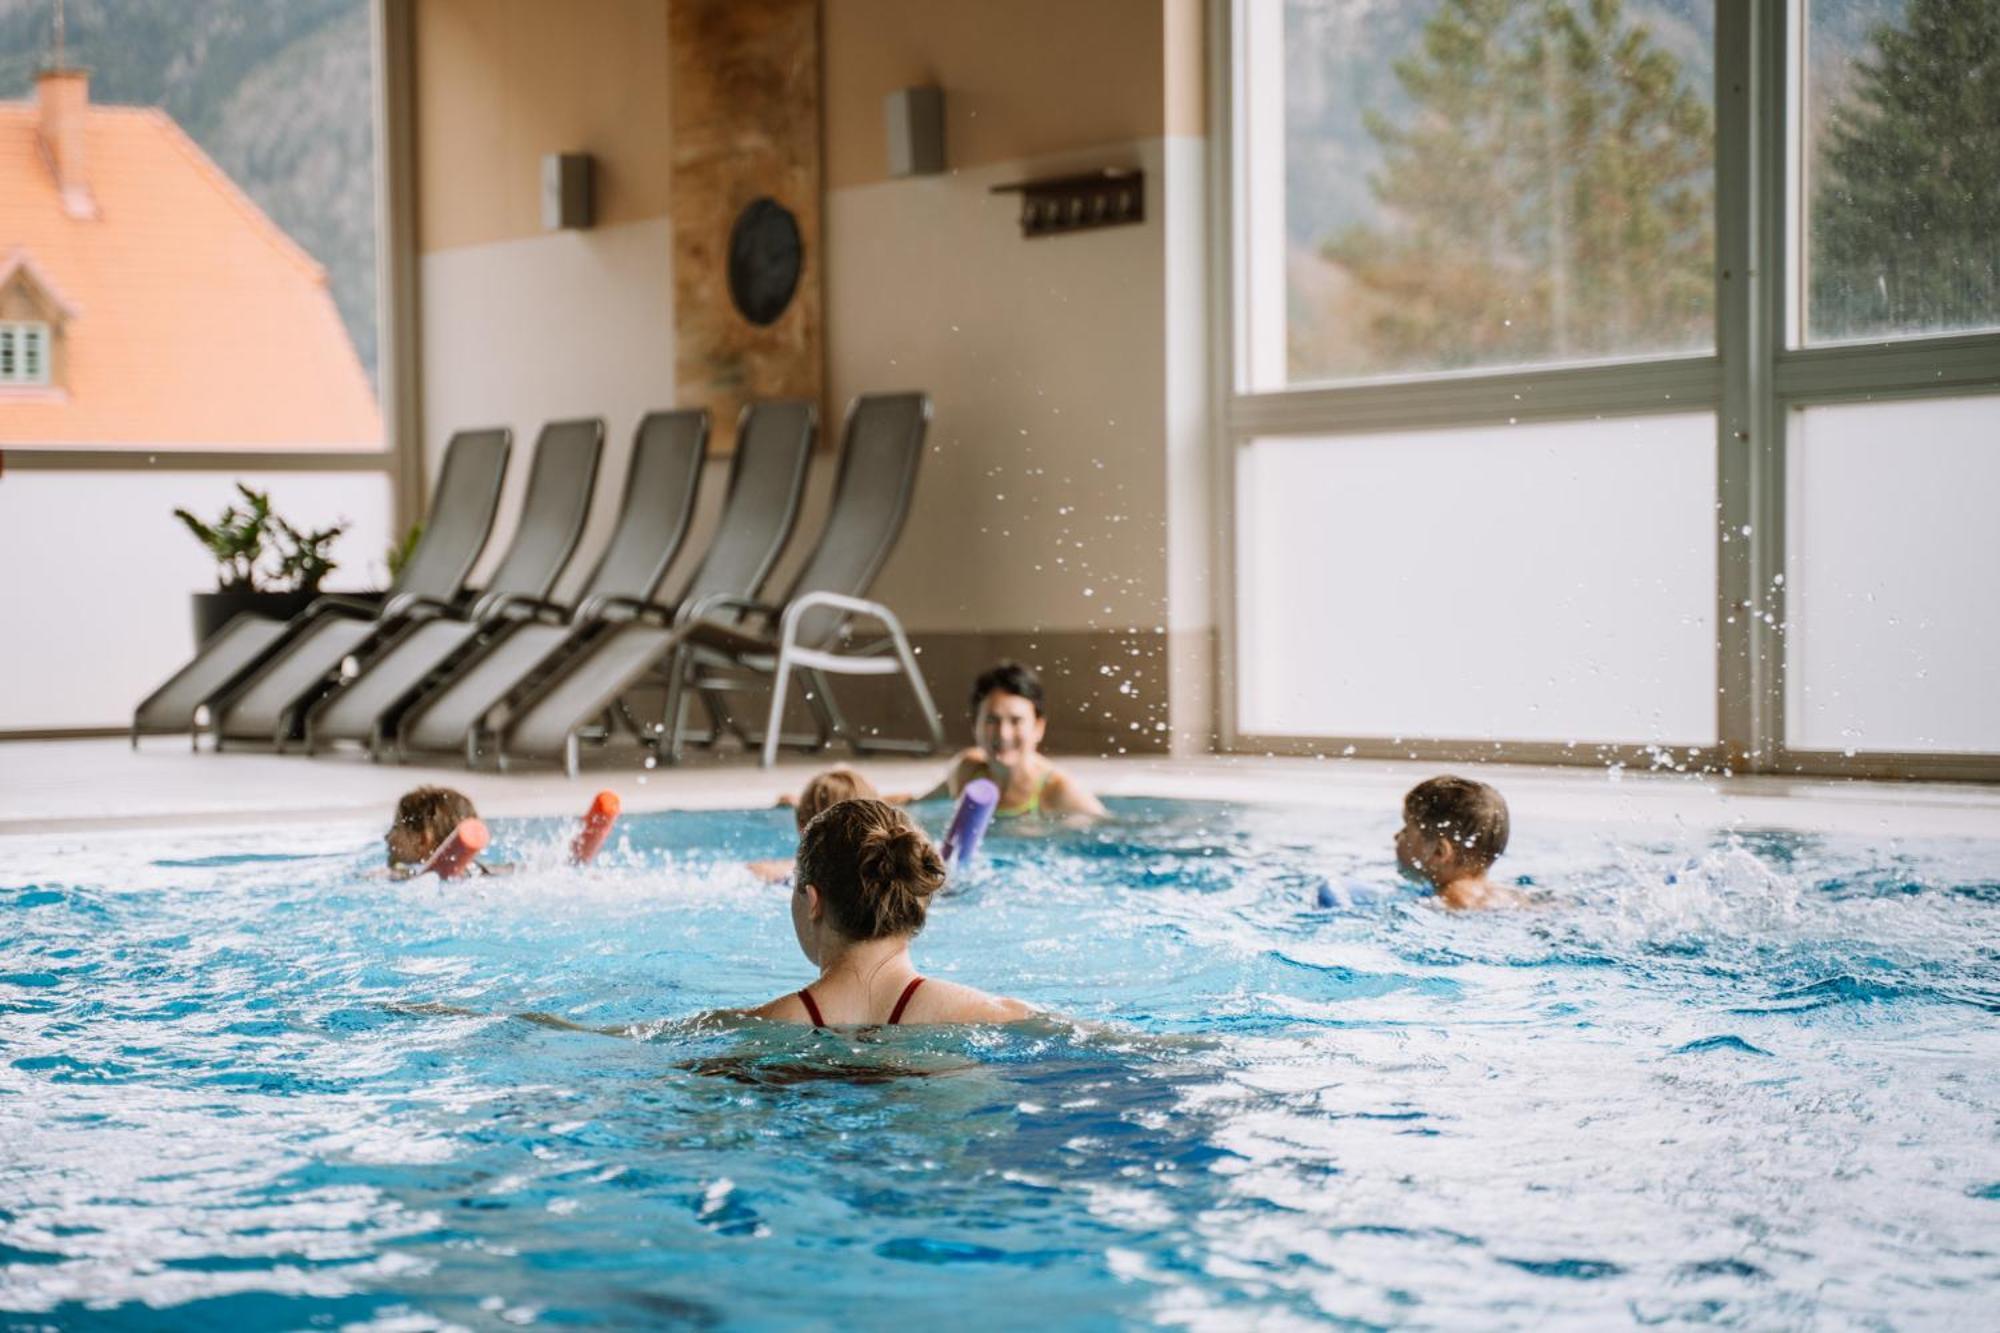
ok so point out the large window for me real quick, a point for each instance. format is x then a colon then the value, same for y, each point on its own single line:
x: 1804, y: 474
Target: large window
x: 189, y: 276
x: 1608, y: 378
x: 1900, y: 168
x: 1453, y: 186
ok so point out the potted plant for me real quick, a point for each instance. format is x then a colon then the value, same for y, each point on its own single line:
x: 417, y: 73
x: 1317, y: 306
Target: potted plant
x: 239, y: 539
x: 302, y: 557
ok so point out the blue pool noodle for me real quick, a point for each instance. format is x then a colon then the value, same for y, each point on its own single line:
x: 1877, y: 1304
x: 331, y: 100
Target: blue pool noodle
x: 969, y: 820
x: 1349, y: 895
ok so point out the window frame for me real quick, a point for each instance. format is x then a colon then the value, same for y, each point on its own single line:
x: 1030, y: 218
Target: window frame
x: 1752, y: 382
x: 17, y: 336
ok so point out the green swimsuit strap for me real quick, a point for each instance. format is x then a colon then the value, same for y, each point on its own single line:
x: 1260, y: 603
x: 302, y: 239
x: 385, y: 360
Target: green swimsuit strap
x: 1032, y: 806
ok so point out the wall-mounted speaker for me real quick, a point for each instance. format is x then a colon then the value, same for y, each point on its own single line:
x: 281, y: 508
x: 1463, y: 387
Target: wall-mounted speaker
x: 915, y: 117
x: 566, y: 201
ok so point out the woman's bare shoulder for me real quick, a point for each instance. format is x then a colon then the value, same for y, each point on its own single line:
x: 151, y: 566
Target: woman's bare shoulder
x: 949, y: 1002
x: 787, y: 1008
x: 1064, y: 795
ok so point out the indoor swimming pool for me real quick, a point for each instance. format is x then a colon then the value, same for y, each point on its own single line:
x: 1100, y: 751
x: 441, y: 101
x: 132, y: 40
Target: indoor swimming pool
x: 1732, y: 1077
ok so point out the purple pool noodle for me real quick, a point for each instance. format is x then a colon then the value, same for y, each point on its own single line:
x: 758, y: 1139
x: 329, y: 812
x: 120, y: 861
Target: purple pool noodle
x: 969, y: 821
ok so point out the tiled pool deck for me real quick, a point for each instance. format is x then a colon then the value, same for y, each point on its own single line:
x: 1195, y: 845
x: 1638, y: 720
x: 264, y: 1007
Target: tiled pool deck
x: 79, y: 785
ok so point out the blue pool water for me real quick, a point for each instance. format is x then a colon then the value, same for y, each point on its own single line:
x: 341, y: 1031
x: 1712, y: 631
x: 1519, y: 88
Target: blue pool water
x: 1720, y: 1078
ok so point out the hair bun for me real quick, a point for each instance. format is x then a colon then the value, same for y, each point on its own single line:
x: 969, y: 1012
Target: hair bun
x: 899, y: 859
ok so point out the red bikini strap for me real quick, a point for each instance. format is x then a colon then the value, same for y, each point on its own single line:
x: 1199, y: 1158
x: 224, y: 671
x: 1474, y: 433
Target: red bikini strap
x: 896, y: 1014
x: 812, y: 1010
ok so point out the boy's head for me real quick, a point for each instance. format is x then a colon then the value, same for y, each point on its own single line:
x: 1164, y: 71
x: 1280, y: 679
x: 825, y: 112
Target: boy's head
x: 1007, y: 713
x: 831, y: 788
x: 424, y: 818
x: 1453, y: 828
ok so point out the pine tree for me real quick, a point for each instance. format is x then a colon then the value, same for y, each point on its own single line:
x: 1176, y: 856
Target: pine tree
x: 1548, y: 197
x: 1906, y: 224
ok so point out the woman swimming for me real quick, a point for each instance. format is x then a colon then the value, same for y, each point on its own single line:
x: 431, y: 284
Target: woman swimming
x: 1008, y: 721
x: 864, y: 884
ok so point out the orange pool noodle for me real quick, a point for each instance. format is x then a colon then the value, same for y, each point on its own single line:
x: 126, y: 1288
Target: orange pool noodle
x: 596, y: 827
x: 456, y: 854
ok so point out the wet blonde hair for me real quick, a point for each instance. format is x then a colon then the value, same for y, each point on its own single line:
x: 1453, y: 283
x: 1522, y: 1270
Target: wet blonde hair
x: 830, y: 789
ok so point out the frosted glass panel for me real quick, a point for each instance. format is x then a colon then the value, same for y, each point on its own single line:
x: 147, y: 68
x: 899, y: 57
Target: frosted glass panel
x: 1552, y: 582
x: 1893, y: 562
x: 95, y: 598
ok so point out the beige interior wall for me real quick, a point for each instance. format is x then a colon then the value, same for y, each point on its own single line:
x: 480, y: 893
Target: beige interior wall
x: 1022, y: 78
x: 500, y: 83
x: 1043, y: 523
x: 521, y: 332
x: 1042, y: 503
x: 519, y: 326
x: 1184, y: 42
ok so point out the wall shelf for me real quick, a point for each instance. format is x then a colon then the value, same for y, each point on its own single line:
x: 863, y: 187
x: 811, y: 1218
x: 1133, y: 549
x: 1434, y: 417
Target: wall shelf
x: 1053, y: 206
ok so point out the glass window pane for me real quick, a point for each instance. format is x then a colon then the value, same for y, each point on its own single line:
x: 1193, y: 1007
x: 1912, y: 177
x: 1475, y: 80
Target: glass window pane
x: 1901, y: 163
x: 219, y: 252
x: 1549, y: 582
x: 1893, y: 562
x: 1447, y: 185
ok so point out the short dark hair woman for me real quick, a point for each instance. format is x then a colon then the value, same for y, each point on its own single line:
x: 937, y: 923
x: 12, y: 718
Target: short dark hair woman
x: 1009, y: 718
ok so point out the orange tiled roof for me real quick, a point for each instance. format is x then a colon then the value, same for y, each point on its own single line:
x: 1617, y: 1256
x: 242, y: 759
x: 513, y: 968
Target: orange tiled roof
x: 197, y: 324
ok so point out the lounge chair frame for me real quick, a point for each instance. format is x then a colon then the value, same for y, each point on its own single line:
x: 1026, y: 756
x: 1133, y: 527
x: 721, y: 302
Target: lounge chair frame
x: 710, y: 659
x: 790, y: 423
x: 701, y: 668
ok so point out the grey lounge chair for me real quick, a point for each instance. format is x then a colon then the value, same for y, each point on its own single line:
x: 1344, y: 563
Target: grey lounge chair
x: 660, y: 487
x: 461, y: 515
x: 812, y: 633
x: 766, y: 477
x: 270, y: 705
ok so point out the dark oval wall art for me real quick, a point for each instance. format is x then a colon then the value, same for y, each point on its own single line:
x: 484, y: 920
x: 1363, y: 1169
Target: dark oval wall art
x: 764, y: 258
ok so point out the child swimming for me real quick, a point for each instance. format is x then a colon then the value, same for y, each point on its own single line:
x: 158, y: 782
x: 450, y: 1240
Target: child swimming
x: 865, y: 879
x: 424, y: 818
x: 1008, y: 721
x: 1454, y: 829
x: 823, y: 790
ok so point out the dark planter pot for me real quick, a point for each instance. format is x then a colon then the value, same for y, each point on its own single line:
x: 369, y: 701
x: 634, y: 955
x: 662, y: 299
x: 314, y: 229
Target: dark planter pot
x: 213, y: 610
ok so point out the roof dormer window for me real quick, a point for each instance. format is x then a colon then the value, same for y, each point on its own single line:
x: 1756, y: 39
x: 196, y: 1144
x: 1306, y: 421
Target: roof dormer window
x: 24, y: 352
